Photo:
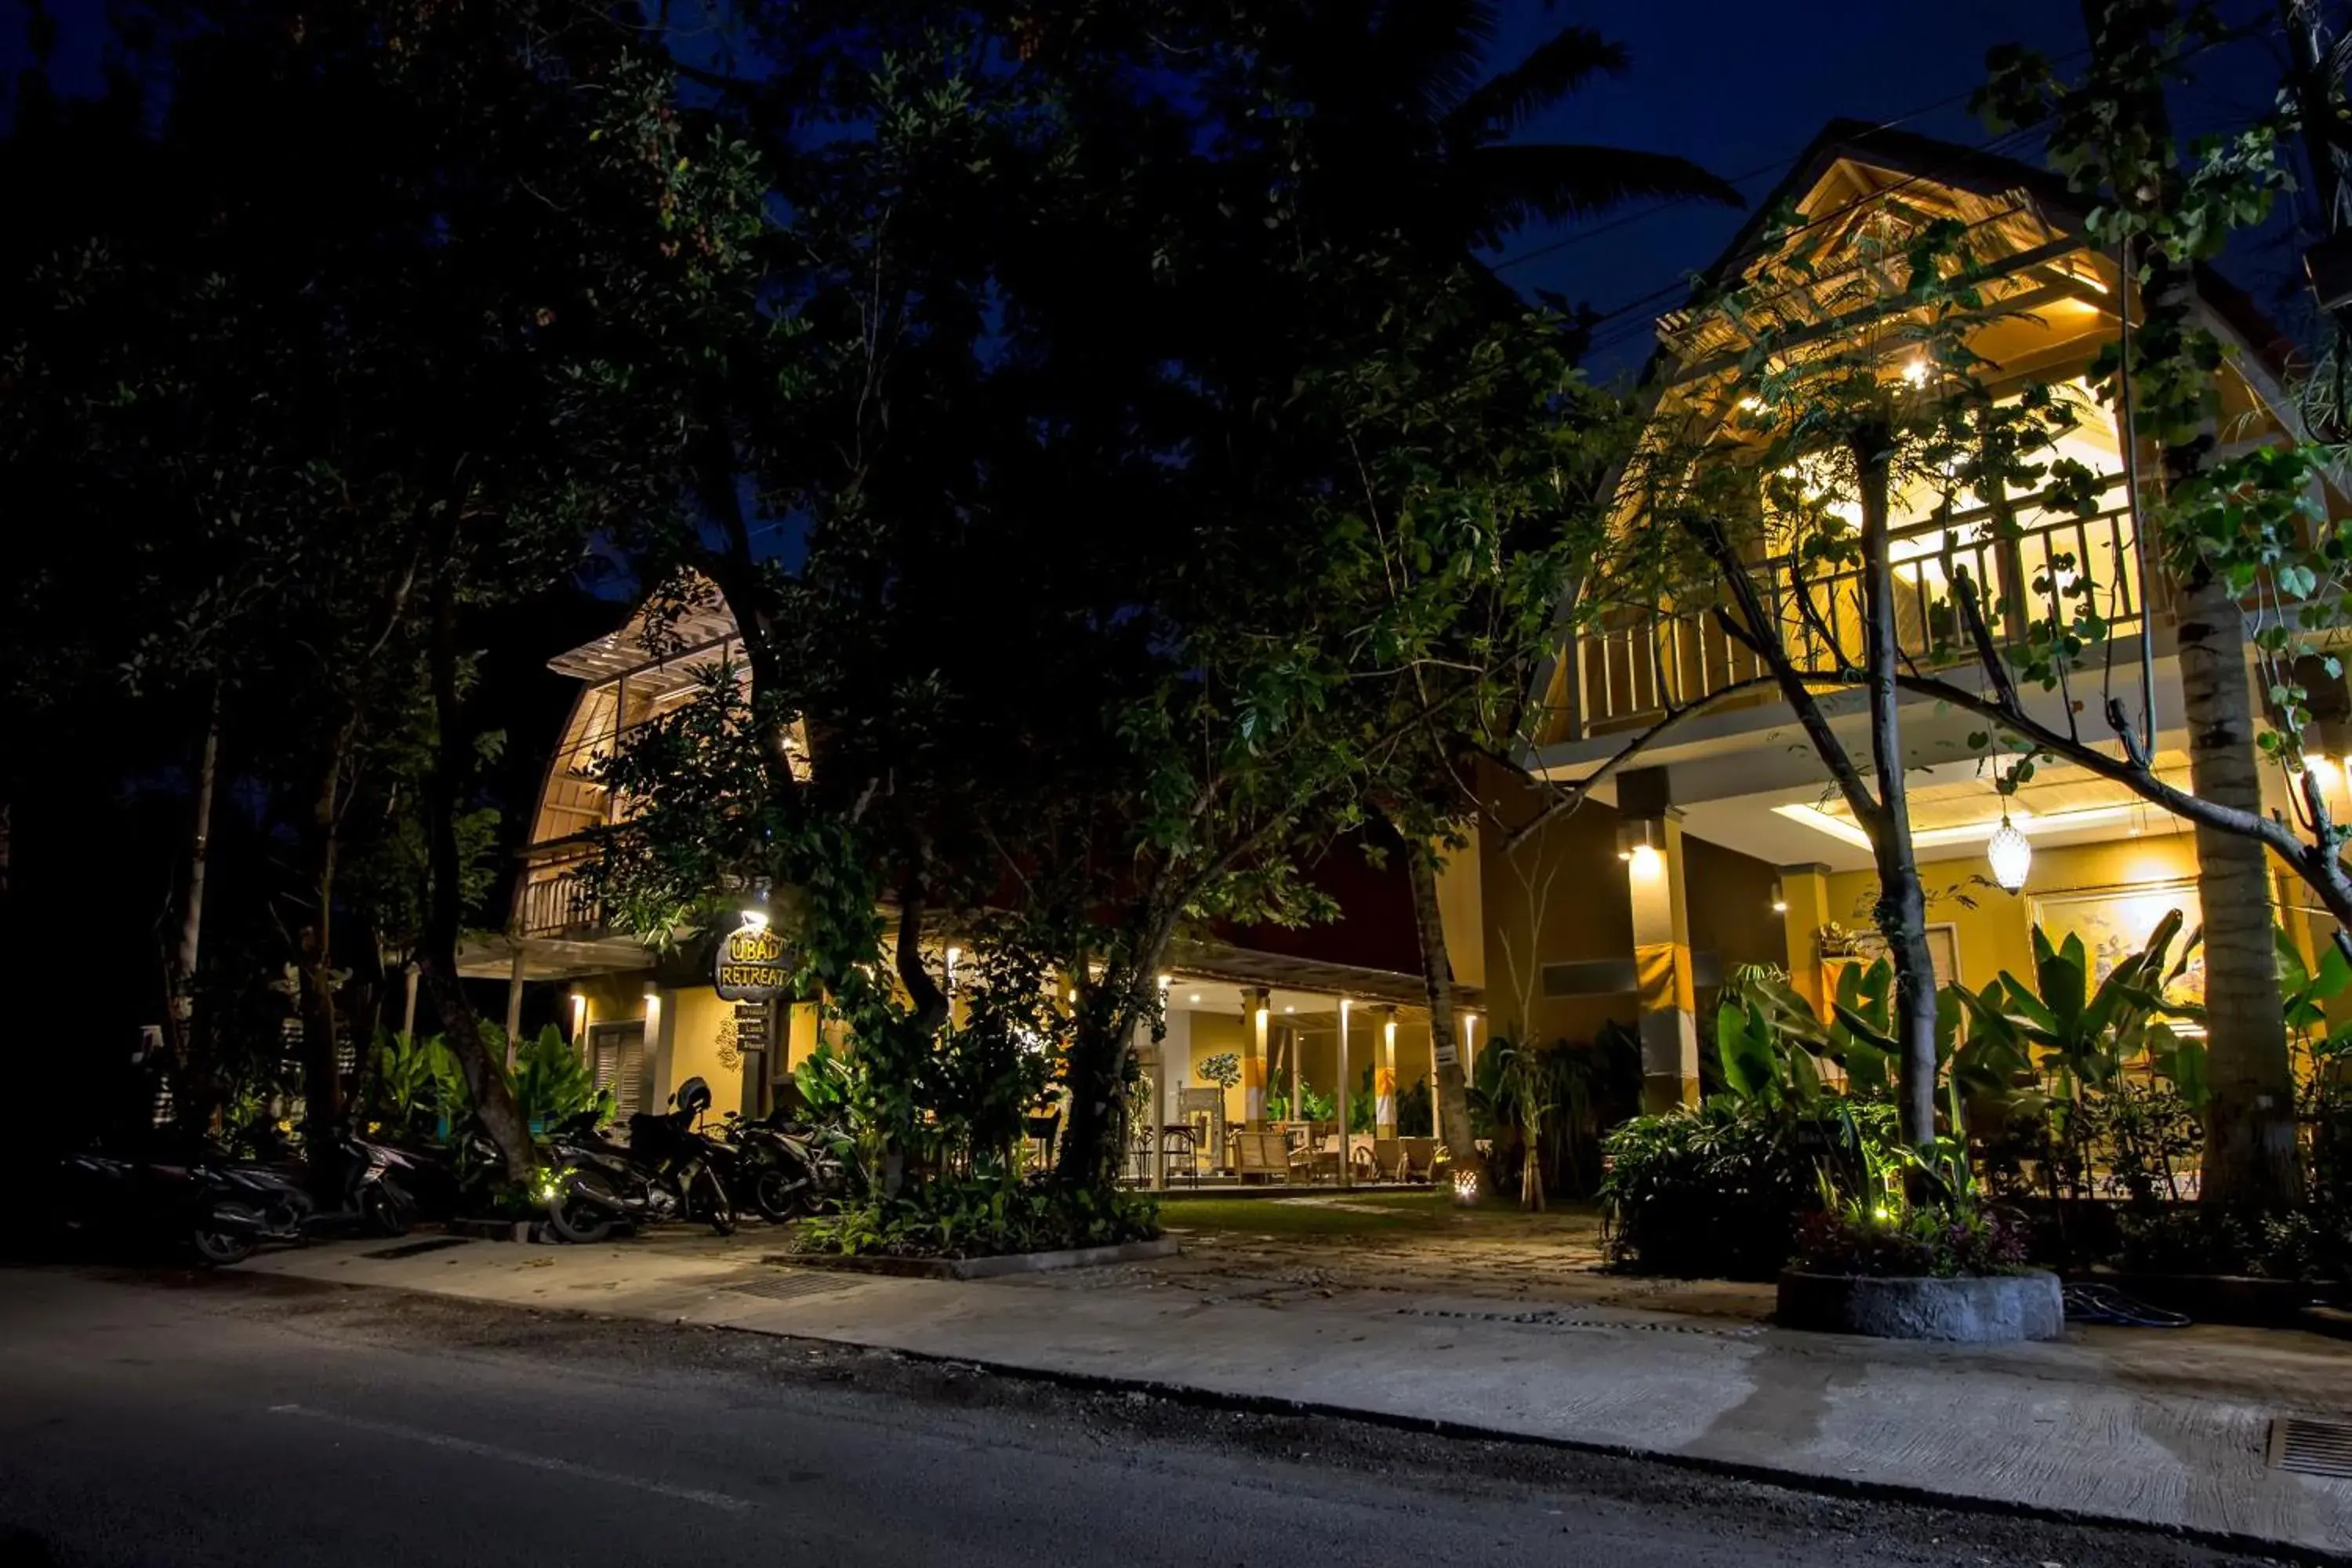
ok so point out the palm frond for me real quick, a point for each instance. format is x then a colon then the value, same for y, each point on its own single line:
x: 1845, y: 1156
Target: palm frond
x: 1558, y: 182
x: 1553, y: 69
x: 1432, y: 51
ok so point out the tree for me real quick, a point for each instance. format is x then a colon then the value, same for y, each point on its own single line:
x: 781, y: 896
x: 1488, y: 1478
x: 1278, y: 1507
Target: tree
x: 1468, y: 482
x: 383, y: 383
x: 2232, y: 531
x: 1406, y: 135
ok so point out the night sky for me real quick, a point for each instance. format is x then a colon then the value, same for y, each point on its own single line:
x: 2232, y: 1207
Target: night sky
x: 1741, y: 89
x: 1737, y: 86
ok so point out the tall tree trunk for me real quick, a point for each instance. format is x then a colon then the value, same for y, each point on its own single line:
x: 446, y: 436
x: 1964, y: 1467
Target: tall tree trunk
x: 1902, y: 909
x: 322, y: 1086
x: 445, y: 911
x: 2249, y: 1136
x: 192, y: 904
x: 1444, y: 1033
x: 2250, y: 1151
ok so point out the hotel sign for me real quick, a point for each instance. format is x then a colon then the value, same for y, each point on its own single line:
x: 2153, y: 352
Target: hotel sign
x: 752, y: 965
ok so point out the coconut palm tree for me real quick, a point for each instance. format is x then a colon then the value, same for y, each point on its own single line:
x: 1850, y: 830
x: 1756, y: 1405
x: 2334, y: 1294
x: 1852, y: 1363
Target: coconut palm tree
x: 1406, y: 121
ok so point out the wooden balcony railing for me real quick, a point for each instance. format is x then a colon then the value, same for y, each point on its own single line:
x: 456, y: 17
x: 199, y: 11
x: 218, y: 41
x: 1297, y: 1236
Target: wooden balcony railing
x: 554, y: 901
x: 1643, y: 662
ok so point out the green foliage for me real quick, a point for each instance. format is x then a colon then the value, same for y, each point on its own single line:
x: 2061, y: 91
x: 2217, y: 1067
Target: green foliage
x: 1718, y: 1190
x: 416, y: 1084
x: 979, y: 1216
x: 552, y: 1082
x: 1891, y: 1239
x: 1416, y: 1110
x: 1577, y: 1089
x: 1225, y: 1069
x: 1313, y: 1106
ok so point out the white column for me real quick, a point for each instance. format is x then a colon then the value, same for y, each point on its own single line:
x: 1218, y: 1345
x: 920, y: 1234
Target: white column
x: 1254, y: 1062
x: 1340, y: 1099
x: 1175, y: 1046
x: 1384, y: 1083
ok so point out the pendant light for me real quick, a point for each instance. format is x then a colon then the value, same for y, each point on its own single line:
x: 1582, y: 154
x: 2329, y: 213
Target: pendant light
x: 2010, y: 852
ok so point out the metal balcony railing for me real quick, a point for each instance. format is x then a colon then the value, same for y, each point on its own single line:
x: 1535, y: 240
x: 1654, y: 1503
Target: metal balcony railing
x: 1642, y: 662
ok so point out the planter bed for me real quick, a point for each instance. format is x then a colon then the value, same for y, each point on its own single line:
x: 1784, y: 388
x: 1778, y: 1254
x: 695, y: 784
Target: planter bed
x: 2246, y: 1300
x: 987, y: 1267
x: 1982, y: 1310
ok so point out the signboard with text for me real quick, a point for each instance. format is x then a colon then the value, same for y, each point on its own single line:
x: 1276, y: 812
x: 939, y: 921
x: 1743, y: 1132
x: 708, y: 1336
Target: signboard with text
x: 752, y: 965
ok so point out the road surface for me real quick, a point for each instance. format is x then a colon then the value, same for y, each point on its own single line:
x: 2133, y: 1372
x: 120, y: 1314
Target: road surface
x: 182, y: 1419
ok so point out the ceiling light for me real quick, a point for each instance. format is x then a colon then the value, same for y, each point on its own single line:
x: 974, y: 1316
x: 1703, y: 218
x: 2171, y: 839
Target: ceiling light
x: 2011, y: 854
x: 1194, y: 997
x: 1915, y: 373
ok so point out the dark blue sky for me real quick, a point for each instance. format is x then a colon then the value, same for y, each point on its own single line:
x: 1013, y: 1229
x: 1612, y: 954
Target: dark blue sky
x: 1734, y: 86
x: 1741, y: 88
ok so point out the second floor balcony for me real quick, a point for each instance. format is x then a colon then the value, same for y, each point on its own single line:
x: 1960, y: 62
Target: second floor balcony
x: 1641, y: 663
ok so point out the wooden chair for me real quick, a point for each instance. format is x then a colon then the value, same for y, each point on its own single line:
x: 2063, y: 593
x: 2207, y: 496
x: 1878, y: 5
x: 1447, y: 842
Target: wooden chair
x: 1316, y: 1154
x: 1417, y: 1158
x: 1379, y: 1160
x: 1263, y: 1155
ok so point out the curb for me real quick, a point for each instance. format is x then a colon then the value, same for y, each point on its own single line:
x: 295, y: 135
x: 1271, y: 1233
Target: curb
x: 527, y: 1231
x: 994, y: 1267
x: 2235, y: 1541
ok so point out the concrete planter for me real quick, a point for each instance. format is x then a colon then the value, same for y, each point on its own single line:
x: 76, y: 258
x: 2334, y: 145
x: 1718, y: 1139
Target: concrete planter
x: 1994, y: 1309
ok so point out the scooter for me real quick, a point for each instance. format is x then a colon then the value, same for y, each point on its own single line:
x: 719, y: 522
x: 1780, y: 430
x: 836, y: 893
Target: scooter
x: 219, y: 1215
x: 665, y: 1172
x: 786, y: 1169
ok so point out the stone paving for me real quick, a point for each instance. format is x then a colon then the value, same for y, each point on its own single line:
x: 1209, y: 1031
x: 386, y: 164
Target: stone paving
x: 1552, y: 1258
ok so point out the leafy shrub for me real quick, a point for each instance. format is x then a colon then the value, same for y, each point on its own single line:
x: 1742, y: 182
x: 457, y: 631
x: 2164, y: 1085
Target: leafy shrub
x: 1884, y: 1241
x: 552, y: 1081
x: 982, y: 1218
x: 417, y: 1086
x: 1716, y: 1191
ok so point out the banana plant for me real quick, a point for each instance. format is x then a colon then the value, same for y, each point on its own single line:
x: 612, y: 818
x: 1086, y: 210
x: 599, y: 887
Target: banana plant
x: 2306, y: 991
x: 1777, y: 1026
x: 2083, y: 1036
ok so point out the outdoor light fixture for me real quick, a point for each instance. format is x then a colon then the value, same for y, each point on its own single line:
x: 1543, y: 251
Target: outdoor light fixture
x: 1465, y: 1186
x: 1779, y: 897
x: 755, y: 913
x: 1637, y: 844
x: 1915, y: 373
x: 2011, y: 854
x: 954, y: 954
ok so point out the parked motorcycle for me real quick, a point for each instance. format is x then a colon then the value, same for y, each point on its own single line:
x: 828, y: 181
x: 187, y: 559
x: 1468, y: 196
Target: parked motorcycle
x: 212, y: 1210
x: 666, y: 1170
x: 786, y: 1169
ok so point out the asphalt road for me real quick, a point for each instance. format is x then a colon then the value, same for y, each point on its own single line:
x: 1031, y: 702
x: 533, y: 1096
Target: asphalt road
x: 169, y: 1419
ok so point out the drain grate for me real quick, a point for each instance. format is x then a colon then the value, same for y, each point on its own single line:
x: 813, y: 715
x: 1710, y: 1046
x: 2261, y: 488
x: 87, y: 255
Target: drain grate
x: 796, y: 1287
x: 419, y: 1249
x: 2311, y: 1447
x: 1552, y: 1318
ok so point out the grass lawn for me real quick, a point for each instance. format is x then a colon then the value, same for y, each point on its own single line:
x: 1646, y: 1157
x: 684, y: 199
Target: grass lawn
x: 1366, y: 1213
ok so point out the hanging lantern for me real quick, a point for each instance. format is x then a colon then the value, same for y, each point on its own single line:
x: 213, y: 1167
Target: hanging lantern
x: 2012, y: 856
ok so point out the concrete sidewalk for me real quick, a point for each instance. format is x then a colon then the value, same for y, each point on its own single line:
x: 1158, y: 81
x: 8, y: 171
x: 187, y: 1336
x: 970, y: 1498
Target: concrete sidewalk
x: 2162, y: 1427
